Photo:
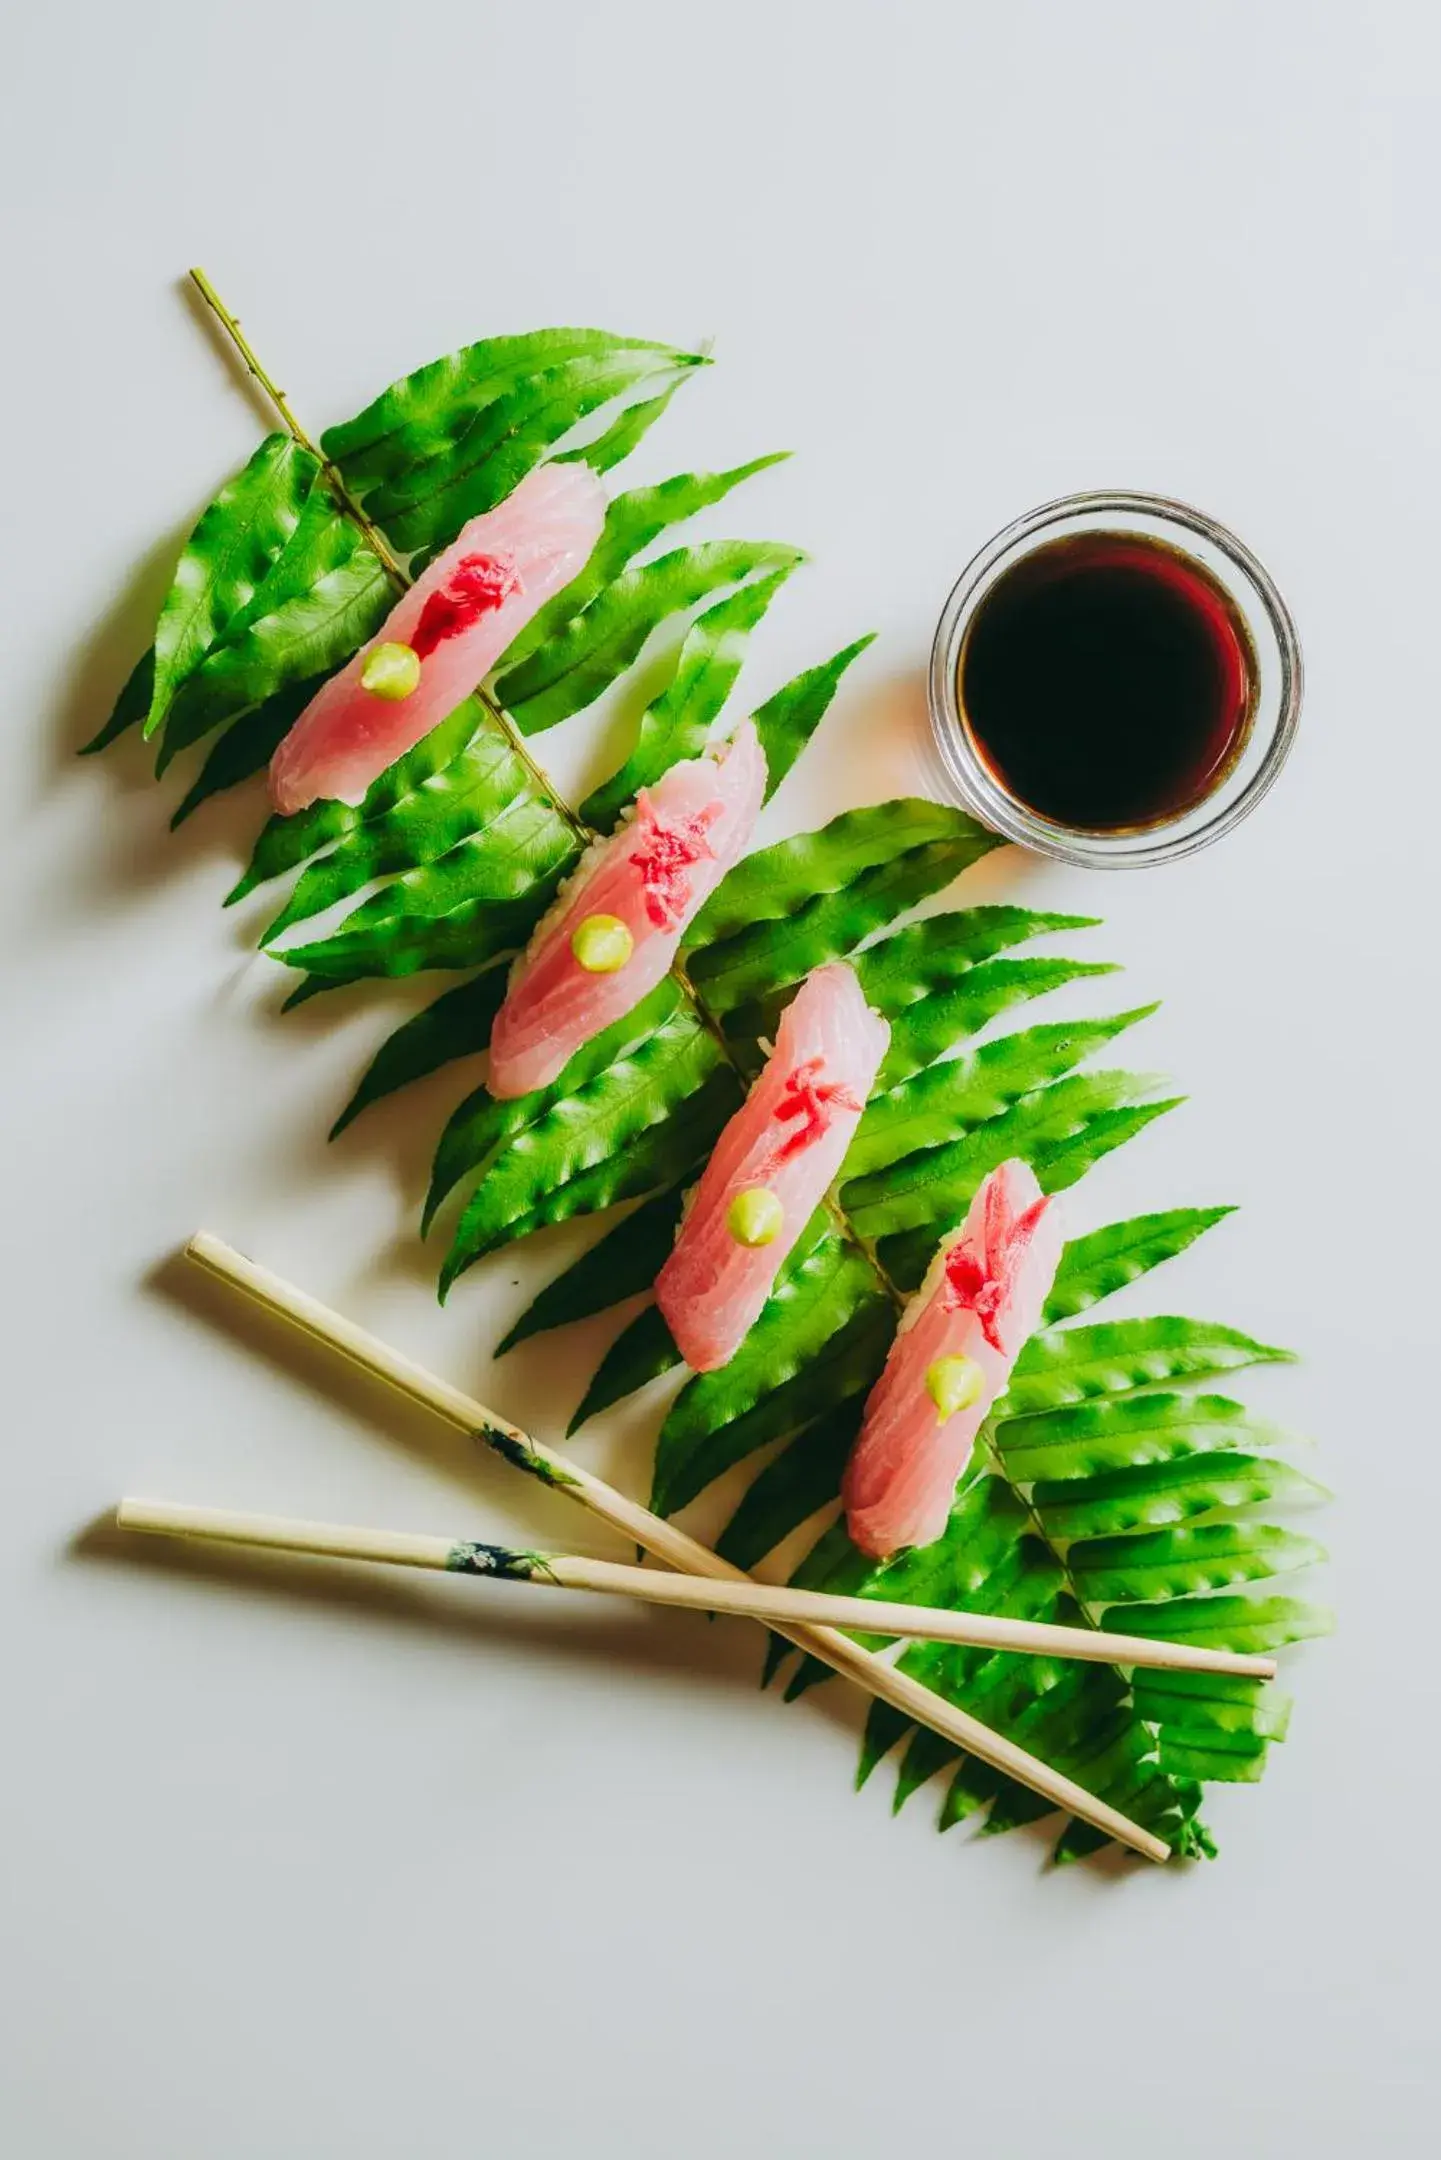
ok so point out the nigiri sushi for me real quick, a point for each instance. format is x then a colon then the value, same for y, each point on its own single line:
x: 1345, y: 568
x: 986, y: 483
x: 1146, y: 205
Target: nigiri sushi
x: 771, y: 1167
x: 961, y: 1334
x: 441, y: 639
x: 614, y: 930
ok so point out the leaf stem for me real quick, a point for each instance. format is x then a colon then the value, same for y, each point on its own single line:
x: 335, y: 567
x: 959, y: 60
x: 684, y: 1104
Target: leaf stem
x: 255, y: 368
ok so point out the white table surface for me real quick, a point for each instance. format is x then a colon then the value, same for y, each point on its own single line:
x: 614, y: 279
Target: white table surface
x: 299, y: 1863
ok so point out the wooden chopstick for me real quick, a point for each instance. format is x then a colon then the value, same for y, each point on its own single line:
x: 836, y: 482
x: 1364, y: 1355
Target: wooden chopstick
x: 662, y: 1539
x: 772, y: 1604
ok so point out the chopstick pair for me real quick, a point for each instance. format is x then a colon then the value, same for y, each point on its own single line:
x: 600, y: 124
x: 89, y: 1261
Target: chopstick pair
x: 919, y: 1704
x: 773, y: 1605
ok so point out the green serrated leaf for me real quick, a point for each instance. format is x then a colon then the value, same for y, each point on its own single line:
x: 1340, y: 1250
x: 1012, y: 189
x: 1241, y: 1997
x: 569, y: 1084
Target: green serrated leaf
x: 667, y: 1153
x: 287, y: 842
x: 419, y: 417
x: 1120, y: 1431
x: 789, y: 718
x: 640, y: 1353
x: 678, y: 724
x: 803, y: 1478
x: 826, y: 1349
x: 225, y: 560
x: 1059, y: 1130
x: 488, y: 449
x: 583, y: 660
x: 325, y: 593
x: 769, y: 886
x: 246, y: 747
x: 1070, y: 1365
x: 481, y: 1128
x: 632, y: 521
x: 910, y: 965
x: 1205, y: 1704
x: 618, y: 1266
x: 456, y: 1025
x: 1094, y: 1267
x: 1152, y: 1495
x: 1250, y: 1625
x: 483, y: 794
x: 482, y: 899
x: 926, y: 1030
x: 626, y: 432
x: 949, y: 1100
x: 130, y: 708
x: 390, y: 943
x: 591, y: 1130
x: 736, y: 967
x: 1180, y: 1560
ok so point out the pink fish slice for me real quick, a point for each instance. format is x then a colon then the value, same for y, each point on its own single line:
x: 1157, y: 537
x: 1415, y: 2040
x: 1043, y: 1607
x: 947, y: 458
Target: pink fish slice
x: 982, y: 1299
x: 615, y: 928
x: 771, y: 1167
x: 441, y: 639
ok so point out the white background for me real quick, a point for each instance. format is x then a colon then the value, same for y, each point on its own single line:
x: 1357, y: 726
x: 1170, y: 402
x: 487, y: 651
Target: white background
x: 300, y: 1863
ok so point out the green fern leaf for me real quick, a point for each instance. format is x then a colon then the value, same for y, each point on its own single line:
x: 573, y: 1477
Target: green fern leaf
x: 826, y: 1286
x: 792, y: 907
x: 130, y: 707
x: 419, y: 418
x: 640, y: 1353
x: 483, y: 1125
x: 246, y: 747
x: 583, y: 660
x: 383, y: 939
x: 324, y: 594
x: 664, y: 1154
x: 678, y: 724
x: 768, y: 887
x: 595, y: 1123
x: 488, y: 449
x: 287, y: 842
x: 626, y: 431
x: 618, y: 1266
x: 480, y: 797
x: 456, y: 1025
x: 1204, y: 1705
x: 1143, y: 1425
x: 1070, y: 1365
x: 632, y: 521
x: 1093, y: 1267
x: 801, y: 1480
x: 225, y: 560
x: 789, y: 718
x: 1060, y: 1130
x: 947, y: 1101
x: 1251, y: 1625
x: 1151, y: 1495
x: 1181, y: 1560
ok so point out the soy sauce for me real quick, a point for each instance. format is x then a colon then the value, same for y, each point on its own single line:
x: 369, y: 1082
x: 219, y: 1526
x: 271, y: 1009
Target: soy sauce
x: 1108, y: 682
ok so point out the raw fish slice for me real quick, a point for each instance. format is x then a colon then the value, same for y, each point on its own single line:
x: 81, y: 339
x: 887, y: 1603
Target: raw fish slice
x: 982, y: 1298
x: 614, y: 930
x: 457, y: 619
x: 771, y: 1167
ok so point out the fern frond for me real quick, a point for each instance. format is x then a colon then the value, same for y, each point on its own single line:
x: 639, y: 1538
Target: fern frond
x: 678, y: 723
x: 462, y: 456
x: 581, y: 661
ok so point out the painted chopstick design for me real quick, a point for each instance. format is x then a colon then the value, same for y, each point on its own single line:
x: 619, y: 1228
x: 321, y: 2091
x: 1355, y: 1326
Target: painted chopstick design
x: 658, y: 1537
x: 771, y: 1604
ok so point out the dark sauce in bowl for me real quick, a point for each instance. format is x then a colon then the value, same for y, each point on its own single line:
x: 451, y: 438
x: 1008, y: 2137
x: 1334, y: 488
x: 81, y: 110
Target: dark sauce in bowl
x: 1108, y: 682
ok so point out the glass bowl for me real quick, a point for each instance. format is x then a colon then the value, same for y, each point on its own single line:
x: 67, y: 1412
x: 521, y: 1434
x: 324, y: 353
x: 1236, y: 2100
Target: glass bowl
x: 1275, y: 712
